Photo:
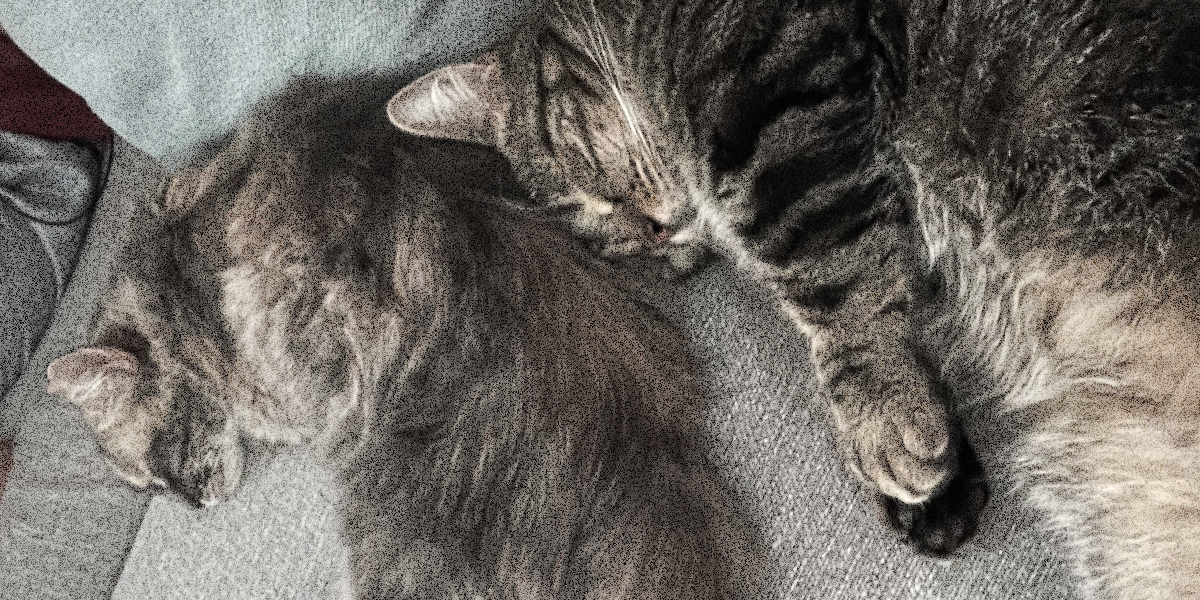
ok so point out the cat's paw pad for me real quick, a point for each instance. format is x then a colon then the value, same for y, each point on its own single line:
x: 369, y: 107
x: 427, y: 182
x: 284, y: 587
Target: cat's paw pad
x: 940, y: 525
x: 907, y: 453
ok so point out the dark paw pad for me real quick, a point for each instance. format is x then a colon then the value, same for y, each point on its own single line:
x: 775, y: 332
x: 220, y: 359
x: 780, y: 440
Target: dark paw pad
x: 940, y: 525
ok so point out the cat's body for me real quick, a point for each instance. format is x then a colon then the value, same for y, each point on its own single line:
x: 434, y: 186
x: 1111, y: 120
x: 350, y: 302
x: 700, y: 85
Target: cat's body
x: 1053, y: 150
x: 507, y: 421
x: 1038, y: 158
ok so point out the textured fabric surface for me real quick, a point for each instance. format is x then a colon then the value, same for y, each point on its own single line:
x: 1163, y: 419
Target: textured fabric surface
x: 66, y: 522
x: 170, y: 76
x: 47, y: 189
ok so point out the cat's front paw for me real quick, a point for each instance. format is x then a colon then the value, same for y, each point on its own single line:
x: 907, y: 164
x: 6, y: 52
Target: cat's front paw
x: 904, y: 448
x: 941, y: 524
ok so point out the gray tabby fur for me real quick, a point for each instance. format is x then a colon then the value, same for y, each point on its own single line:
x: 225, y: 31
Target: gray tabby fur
x: 649, y: 126
x: 1037, y: 159
x: 506, y: 418
x: 1053, y: 150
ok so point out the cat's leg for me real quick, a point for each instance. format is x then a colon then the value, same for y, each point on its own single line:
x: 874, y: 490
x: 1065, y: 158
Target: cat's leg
x: 654, y: 527
x: 1125, y: 493
x: 894, y: 423
x: 401, y: 541
x: 677, y: 533
x: 390, y: 562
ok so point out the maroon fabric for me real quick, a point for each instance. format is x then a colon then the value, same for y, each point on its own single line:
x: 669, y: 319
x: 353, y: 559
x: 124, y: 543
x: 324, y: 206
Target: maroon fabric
x: 6, y: 463
x: 33, y: 103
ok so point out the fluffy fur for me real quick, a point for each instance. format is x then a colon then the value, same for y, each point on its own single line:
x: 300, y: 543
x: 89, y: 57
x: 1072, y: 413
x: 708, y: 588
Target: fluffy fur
x: 505, y: 418
x: 1053, y: 152
x: 1038, y: 159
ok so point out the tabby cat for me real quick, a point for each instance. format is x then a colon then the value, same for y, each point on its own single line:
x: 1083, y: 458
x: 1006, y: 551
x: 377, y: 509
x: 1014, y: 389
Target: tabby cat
x: 506, y: 419
x: 1037, y: 160
x: 756, y: 131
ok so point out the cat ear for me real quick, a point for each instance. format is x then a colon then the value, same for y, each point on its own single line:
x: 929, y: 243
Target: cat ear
x: 465, y: 102
x: 93, y: 377
x: 103, y: 382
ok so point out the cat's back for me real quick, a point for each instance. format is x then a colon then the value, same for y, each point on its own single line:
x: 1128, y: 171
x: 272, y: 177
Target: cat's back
x: 1071, y: 125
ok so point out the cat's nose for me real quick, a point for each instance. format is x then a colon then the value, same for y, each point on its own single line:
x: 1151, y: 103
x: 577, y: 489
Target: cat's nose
x: 659, y: 232
x: 663, y: 207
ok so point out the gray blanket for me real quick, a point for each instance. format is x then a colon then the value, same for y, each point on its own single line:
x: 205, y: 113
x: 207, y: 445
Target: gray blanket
x: 170, y: 76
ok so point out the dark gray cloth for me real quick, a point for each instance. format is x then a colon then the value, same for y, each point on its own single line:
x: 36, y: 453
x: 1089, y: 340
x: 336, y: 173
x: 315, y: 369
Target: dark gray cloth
x: 47, y: 189
x: 66, y: 521
x: 171, y: 76
x: 51, y: 182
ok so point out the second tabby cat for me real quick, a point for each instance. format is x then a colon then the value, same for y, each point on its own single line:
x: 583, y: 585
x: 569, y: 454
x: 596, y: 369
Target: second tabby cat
x: 753, y: 130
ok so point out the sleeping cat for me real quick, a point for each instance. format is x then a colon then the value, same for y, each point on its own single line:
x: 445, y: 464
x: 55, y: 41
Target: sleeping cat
x: 505, y: 418
x: 752, y: 130
x: 1037, y: 159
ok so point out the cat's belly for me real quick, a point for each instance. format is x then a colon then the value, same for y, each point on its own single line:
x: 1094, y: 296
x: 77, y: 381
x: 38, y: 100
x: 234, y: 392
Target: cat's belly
x: 1048, y: 327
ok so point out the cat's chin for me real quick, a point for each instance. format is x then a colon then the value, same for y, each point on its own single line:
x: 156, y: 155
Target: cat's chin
x: 683, y: 258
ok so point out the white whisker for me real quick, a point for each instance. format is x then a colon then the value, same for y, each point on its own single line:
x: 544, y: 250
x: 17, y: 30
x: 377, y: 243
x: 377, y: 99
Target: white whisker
x: 595, y: 42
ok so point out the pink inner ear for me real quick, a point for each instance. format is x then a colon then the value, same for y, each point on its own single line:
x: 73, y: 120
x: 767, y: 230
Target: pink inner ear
x: 68, y: 371
x: 465, y: 102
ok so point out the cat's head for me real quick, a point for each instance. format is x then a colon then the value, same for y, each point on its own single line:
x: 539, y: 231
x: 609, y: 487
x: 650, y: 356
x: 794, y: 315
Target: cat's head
x: 155, y: 431
x: 579, y: 136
